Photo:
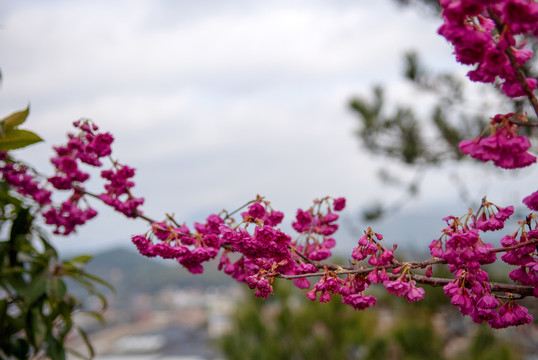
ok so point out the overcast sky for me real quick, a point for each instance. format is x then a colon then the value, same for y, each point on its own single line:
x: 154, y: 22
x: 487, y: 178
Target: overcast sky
x: 216, y: 101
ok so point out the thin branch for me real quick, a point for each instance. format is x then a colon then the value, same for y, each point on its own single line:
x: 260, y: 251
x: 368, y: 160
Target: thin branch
x: 228, y: 215
x: 343, y: 270
x: 521, y: 290
x: 517, y: 246
x: 521, y: 123
x: 136, y: 214
x: 519, y: 73
x: 340, y: 270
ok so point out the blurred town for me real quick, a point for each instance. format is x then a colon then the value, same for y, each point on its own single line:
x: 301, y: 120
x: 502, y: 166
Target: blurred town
x: 160, y: 311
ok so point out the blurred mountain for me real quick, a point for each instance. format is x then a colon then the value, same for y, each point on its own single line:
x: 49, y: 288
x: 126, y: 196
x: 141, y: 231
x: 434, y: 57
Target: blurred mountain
x: 131, y: 273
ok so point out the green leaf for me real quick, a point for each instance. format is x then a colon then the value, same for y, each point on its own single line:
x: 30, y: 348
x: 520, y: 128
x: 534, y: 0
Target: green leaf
x: 19, y: 348
x: 98, y: 280
x: 65, y: 309
x: 76, y: 354
x: 3, y: 312
x: 15, y: 119
x: 35, y: 289
x: 13, y: 270
x: 77, y: 274
x: 6, y: 198
x: 81, y: 259
x: 95, y: 314
x: 15, y: 280
x: 55, y: 288
x: 48, y: 246
x: 84, y: 337
x: 17, y: 138
x: 37, y: 326
x: 21, y: 226
x: 31, y: 326
x: 90, y: 288
x: 55, y: 349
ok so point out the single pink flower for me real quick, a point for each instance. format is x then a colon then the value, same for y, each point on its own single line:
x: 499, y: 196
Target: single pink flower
x: 339, y: 204
x: 532, y: 201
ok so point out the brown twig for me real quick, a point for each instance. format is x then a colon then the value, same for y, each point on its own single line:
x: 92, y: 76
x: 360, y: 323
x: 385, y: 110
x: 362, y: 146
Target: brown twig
x: 521, y: 123
x: 519, y: 72
x: 136, y: 214
x: 521, y: 290
x: 517, y: 246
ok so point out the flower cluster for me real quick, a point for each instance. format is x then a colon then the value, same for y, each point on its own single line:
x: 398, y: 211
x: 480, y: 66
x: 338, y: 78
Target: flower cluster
x: 531, y: 201
x: 257, y: 211
x: 465, y: 252
x: 18, y: 177
x: 352, y: 293
x: 266, y: 241
x: 329, y: 284
x: 69, y: 214
x: 369, y: 247
x: 87, y: 147
x: 491, y: 217
x: 179, y: 243
x: 351, y: 289
x: 378, y: 256
x: 483, y: 33
x: 265, y: 250
x: 119, y: 186
x: 262, y: 286
x: 464, y: 247
x: 317, y: 225
x: 504, y: 147
x: 405, y: 287
x: 303, y: 268
x: 524, y: 255
x: 491, y: 35
x: 472, y: 294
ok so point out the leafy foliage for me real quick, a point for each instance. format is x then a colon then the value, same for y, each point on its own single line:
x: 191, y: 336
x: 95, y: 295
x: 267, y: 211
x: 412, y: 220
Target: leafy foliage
x: 11, y: 137
x: 399, y: 132
x: 284, y: 327
x: 36, y: 306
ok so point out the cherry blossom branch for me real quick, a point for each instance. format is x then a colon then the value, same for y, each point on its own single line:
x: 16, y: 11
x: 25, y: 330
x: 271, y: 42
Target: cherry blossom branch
x: 519, y: 72
x: 520, y: 245
x: 137, y: 214
x: 522, y: 123
x: 521, y: 290
x: 229, y: 214
x: 412, y: 265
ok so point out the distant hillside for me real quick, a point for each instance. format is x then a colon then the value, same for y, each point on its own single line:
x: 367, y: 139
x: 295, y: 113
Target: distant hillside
x: 131, y: 273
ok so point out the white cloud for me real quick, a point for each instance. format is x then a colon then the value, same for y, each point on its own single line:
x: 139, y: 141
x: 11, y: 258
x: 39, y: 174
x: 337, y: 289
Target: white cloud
x: 213, y: 101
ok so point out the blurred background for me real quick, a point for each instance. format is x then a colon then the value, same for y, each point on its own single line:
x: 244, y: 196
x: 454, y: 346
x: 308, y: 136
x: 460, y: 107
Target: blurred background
x: 215, y: 102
